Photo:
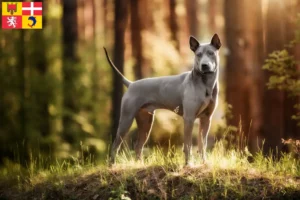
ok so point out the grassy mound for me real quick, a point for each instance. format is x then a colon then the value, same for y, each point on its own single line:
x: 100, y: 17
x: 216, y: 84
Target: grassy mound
x: 227, y: 174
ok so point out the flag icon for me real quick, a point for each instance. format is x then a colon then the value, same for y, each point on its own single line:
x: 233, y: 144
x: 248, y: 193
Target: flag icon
x: 11, y: 22
x: 32, y: 8
x: 22, y: 15
x: 11, y: 8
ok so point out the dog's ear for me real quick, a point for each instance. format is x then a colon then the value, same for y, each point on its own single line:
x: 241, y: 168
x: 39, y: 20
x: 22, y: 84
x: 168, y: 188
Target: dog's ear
x: 194, y: 44
x: 215, y: 41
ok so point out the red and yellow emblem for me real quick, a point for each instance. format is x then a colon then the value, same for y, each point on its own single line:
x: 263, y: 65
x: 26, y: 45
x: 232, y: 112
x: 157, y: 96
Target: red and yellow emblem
x: 22, y: 15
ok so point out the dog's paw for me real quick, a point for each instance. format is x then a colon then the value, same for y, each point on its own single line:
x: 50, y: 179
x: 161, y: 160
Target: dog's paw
x: 111, y: 162
x: 187, y: 166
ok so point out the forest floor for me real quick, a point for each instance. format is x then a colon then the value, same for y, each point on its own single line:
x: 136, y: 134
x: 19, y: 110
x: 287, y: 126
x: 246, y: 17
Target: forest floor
x: 228, y: 174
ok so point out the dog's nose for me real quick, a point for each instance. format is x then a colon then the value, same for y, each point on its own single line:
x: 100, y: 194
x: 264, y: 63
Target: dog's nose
x: 205, y: 67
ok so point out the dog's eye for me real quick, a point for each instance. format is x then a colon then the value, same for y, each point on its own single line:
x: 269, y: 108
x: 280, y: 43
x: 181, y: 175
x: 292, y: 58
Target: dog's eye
x: 210, y: 53
x: 200, y: 54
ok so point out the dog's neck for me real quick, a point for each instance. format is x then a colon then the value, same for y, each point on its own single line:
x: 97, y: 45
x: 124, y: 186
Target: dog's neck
x: 208, y: 79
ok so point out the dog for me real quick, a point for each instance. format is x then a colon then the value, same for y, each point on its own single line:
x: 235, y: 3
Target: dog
x: 193, y: 94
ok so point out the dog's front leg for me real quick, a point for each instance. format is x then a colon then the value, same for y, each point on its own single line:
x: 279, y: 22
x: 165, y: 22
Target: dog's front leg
x: 204, y: 127
x: 188, y: 128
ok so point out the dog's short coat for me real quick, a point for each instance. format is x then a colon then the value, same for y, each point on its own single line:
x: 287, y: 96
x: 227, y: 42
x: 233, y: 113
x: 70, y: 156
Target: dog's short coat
x: 192, y: 94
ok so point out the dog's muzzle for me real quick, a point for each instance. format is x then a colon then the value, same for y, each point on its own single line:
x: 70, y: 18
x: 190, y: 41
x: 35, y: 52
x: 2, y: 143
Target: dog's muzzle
x: 206, y: 69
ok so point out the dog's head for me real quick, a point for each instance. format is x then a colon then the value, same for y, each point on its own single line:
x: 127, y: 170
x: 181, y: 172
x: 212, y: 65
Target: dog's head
x: 206, y: 55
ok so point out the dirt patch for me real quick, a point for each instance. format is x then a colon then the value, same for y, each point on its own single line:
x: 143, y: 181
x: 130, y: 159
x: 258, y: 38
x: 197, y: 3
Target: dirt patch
x: 157, y: 182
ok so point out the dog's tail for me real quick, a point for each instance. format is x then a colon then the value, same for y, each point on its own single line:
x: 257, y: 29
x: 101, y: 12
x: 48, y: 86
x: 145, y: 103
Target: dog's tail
x: 126, y: 82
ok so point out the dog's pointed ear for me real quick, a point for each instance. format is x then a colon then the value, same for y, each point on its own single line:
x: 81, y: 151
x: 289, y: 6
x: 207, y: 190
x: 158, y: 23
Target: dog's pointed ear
x: 215, y: 41
x: 194, y: 44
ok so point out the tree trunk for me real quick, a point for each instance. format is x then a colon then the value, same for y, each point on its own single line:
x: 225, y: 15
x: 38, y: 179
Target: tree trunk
x: 39, y: 62
x: 236, y: 71
x: 243, y: 67
x: 273, y: 100
x: 105, y: 20
x: 136, y: 38
x: 173, y: 24
x: 212, y: 12
x: 140, y: 20
x: 254, y: 57
x: 192, y: 17
x: 81, y: 20
x: 70, y: 70
x: 290, y: 126
x: 118, y: 56
x: 22, y: 147
x: 89, y: 21
x: 98, y: 30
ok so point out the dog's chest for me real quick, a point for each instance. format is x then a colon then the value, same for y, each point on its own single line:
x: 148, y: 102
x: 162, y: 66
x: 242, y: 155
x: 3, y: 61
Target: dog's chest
x: 203, y: 105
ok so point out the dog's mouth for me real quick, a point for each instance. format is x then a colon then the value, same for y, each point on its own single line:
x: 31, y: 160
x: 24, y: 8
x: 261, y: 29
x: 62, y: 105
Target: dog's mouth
x: 206, y: 72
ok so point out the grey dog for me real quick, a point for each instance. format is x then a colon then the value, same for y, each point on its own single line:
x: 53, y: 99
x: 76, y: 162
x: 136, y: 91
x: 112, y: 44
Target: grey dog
x: 193, y: 94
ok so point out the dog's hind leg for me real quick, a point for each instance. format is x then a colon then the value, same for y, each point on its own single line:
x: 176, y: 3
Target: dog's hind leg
x: 124, y: 125
x: 126, y: 119
x: 144, y: 122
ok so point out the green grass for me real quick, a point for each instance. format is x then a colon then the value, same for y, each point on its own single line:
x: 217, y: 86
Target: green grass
x: 227, y: 174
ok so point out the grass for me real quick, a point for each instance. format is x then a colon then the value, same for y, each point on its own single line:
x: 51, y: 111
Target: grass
x: 228, y: 174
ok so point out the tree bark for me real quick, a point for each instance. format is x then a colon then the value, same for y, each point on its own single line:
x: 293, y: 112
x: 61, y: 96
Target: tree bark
x: 192, y: 18
x: 243, y: 67
x: 70, y: 71
x: 22, y: 147
x: 236, y: 72
x: 212, y: 12
x: 118, y: 58
x: 40, y: 63
x: 105, y: 20
x: 90, y: 38
x: 136, y: 38
x: 254, y: 57
x: 89, y: 20
x: 291, y: 128
x: 173, y: 24
x: 81, y: 20
x: 273, y: 100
